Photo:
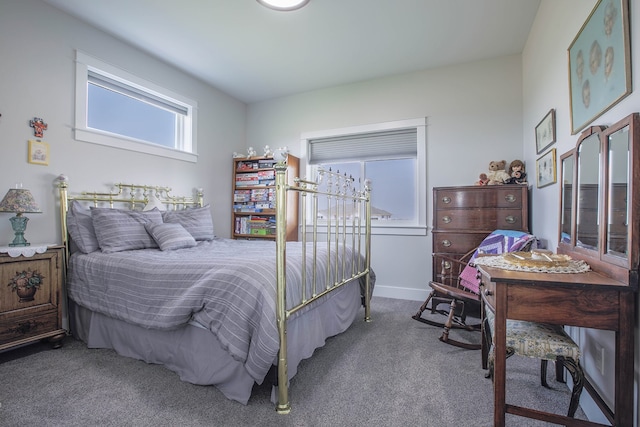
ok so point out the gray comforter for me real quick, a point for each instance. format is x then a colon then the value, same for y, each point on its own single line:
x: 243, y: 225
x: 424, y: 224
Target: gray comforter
x: 227, y: 286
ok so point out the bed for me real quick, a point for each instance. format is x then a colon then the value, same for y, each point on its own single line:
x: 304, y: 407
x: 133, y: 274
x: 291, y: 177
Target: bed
x: 147, y: 277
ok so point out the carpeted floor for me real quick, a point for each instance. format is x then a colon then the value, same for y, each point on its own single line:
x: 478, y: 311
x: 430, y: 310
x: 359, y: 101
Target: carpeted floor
x: 390, y: 372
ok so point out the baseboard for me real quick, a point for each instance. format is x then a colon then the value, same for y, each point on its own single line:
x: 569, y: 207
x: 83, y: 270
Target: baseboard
x: 411, y: 294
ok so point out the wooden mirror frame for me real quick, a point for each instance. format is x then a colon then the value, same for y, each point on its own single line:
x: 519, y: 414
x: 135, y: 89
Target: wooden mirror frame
x: 622, y: 268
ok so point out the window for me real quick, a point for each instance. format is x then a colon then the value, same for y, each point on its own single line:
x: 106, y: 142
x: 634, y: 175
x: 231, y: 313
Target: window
x: 392, y: 155
x: 118, y: 109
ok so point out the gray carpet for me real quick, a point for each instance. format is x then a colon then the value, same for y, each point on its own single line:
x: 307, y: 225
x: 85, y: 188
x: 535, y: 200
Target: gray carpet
x: 390, y: 372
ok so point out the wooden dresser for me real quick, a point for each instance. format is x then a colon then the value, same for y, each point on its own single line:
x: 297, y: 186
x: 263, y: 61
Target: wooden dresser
x: 31, y: 298
x: 464, y: 216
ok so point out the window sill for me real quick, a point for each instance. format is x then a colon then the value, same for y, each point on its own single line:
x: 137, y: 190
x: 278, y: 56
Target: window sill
x: 103, y: 138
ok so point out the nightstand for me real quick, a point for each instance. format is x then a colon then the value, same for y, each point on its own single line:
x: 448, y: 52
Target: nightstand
x: 31, y: 296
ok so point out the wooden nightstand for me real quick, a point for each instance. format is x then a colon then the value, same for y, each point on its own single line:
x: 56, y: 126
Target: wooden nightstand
x: 31, y: 313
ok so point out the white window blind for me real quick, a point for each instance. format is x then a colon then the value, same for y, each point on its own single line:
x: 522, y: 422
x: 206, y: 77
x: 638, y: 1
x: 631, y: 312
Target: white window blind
x: 391, y: 144
x: 135, y: 93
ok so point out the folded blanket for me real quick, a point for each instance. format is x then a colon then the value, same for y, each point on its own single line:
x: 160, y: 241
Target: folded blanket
x: 498, y: 242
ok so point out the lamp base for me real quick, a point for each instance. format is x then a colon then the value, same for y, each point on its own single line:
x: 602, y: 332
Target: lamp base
x: 19, y: 225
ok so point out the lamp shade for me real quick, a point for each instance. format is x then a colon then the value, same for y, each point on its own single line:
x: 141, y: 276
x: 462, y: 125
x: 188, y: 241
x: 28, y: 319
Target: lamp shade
x: 19, y: 200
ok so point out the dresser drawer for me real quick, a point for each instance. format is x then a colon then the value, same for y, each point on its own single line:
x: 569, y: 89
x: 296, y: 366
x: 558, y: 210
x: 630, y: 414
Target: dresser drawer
x: 479, y: 219
x: 456, y: 243
x: 509, y: 196
x: 488, y: 291
x: 27, y: 327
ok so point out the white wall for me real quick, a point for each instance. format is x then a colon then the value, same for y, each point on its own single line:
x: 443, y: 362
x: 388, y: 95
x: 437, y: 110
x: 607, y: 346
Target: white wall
x: 546, y: 86
x: 474, y: 116
x: 37, y: 45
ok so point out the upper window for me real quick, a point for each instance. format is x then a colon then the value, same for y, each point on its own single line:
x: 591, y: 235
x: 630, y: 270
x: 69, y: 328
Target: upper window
x: 393, y: 156
x: 118, y: 109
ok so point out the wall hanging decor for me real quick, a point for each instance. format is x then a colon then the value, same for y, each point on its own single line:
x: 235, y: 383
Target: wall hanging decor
x: 38, y: 152
x: 39, y: 126
x: 599, y: 63
x: 546, y: 169
x: 546, y: 132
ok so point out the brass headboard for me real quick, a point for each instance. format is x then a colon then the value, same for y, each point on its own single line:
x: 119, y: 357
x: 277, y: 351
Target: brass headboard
x: 131, y: 196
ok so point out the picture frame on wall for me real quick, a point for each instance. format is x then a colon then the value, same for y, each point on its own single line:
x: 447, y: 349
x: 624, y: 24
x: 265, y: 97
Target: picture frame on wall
x: 546, y: 169
x: 546, y: 132
x: 599, y: 63
x: 38, y: 152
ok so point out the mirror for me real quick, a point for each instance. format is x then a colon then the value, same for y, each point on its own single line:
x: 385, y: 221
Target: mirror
x: 618, y: 192
x: 600, y: 200
x: 588, y: 212
x: 566, y: 198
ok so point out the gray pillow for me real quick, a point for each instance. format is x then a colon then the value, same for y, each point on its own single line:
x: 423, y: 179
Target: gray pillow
x: 197, y: 221
x: 121, y: 230
x: 170, y: 236
x: 80, y: 227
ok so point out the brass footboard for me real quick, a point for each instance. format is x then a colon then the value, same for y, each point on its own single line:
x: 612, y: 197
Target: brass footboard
x: 346, y: 222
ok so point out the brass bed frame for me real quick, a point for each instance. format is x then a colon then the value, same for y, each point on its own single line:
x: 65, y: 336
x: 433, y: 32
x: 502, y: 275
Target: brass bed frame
x: 346, y: 223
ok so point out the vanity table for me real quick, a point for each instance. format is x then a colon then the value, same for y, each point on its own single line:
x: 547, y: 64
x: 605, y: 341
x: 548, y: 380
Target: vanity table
x: 599, y: 223
x: 589, y: 300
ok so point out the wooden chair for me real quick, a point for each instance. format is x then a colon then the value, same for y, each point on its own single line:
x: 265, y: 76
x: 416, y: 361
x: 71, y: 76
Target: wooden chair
x: 458, y: 285
x: 540, y: 341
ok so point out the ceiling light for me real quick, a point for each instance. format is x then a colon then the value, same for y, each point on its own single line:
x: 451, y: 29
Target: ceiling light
x: 283, y: 4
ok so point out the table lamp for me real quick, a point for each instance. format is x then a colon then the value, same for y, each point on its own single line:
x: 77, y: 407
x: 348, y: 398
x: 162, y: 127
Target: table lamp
x: 19, y: 201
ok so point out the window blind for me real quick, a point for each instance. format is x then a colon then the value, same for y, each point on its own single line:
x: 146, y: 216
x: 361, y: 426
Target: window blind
x: 139, y: 94
x: 393, y: 144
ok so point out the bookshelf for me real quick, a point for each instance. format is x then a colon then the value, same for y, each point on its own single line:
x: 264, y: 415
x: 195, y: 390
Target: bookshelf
x: 254, y: 214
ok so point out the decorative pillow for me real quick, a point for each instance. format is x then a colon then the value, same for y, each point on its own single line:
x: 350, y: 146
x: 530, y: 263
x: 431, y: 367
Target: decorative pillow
x: 121, y: 230
x: 170, y: 236
x: 80, y: 227
x: 154, y: 202
x: 197, y: 221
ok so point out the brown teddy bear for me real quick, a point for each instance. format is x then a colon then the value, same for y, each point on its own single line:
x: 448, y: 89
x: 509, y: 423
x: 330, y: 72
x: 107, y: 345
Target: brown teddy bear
x: 497, y: 174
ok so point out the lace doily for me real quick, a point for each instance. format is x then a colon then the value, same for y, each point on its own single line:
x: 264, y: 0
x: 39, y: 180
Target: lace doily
x: 27, y: 251
x: 498, y: 261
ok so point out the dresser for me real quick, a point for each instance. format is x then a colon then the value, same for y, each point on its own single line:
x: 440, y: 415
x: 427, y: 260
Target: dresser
x: 464, y: 216
x: 31, y: 298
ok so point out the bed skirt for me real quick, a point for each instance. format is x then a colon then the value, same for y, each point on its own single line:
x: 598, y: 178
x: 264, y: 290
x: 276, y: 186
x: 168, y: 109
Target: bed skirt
x: 195, y: 354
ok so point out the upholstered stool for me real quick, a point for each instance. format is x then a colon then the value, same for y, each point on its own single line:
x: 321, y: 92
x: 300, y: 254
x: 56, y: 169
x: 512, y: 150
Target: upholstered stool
x: 545, y: 342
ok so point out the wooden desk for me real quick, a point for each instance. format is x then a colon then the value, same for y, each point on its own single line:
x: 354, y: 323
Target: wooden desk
x: 583, y: 299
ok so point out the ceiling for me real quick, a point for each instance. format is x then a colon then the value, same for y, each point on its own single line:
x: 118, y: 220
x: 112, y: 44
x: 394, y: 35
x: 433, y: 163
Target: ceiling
x: 254, y: 53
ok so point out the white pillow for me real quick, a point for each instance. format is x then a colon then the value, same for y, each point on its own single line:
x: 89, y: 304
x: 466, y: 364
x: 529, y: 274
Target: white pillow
x: 154, y: 202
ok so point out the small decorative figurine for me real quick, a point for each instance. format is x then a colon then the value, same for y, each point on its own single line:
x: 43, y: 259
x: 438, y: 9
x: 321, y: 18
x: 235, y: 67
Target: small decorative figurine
x: 281, y: 153
x: 39, y: 126
x: 251, y: 152
x: 268, y: 152
x: 237, y: 155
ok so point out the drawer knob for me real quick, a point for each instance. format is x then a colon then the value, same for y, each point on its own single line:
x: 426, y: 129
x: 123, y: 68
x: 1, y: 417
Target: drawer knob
x: 510, y: 219
x: 446, y: 243
x: 446, y: 219
x: 446, y: 265
x: 510, y: 198
x: 446, y: 200
x: 487, y: 293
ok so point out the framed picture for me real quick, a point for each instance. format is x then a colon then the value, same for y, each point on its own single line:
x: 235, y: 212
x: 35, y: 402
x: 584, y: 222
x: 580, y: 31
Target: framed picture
x: 599, y: 63
x: 546, y: 169
x: 546, y: 132
x: 38, y: 152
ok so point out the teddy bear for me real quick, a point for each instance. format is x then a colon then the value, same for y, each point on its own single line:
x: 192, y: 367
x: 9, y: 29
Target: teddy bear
x: 517, y: 174
x: 482, y: 179
x: 497, y: 174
